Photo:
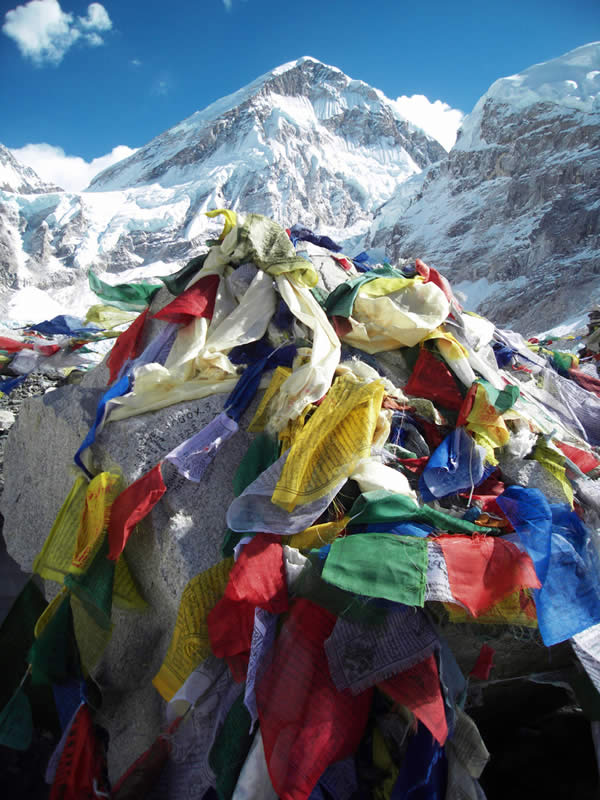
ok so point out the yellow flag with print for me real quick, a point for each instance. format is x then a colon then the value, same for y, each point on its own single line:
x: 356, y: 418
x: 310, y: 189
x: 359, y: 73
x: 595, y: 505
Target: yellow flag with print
x: 54, y: 560
x: 190, y: 643
x: 337, y: 436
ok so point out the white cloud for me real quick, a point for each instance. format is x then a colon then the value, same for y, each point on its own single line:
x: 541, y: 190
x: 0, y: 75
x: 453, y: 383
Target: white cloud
x: 93, y: 39
x: 438, y: 119
x: 72, y: 173
x: 227, y: 4
x: 135, y: 62
x: 97, y: 18
x: 44, y: 32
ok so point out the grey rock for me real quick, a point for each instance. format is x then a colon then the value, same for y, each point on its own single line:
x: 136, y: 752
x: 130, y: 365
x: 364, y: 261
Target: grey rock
x: 7, y: 418
x: 181, y: 538
x: 531, y: 473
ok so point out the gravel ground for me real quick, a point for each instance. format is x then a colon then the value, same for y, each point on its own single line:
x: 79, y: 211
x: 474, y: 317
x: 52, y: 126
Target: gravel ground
x: 10, y: 406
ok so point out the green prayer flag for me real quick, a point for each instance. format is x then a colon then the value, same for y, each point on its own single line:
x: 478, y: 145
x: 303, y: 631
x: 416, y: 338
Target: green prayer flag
x: 178, y: 281
x: 379, y: 565
x: 53, y: 656
x: 231, y: 747
x: 349, y: 606
x: 16, y: 637
x: 267, y: 245
x: 94, y: 588
x: 383, y: 506
x: 127, y: 296
x: 340, y: 301
x: 262, y: 452
x: 320, y: 295
x: 16, y: 722
x: 501, y: 399
x: 562, y: 360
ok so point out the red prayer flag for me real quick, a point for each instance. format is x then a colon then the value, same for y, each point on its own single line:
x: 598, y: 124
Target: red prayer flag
x: 484, y: 569
x: 431, y: 275
x: 483, y: 665
x: 343, y: 262
x: 127, y: 345
x: 305, y: 722
x: 485, y: 496
x: 432, y: 380
x: 467, y: 406
x: 47, y: 349
x: 258, y: 576
x: 434, y: 435
x: 82, y: 767
x: 230, y: 624
x: 140, y: 778
x: 197, y: 301
x: 418, y: 688
x: 414, y: 465
x: 587, y: 382
x: 131, y: 506
x: 256, y: 579
x: 13, y: 346
x: 341, y: 325
x: 585, y: 461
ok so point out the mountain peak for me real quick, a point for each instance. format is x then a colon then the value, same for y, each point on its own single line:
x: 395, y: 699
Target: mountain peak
x: 570, y: 82
x: 20, y: 179
x: 296, y: 105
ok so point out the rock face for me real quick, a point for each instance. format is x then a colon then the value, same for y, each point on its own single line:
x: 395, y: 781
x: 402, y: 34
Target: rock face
x: 182, y: 538
x: 512, y: 216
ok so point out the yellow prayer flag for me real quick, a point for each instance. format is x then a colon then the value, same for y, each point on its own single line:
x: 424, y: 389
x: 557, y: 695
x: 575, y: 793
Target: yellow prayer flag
x: 337, y: 436
x: 380, y: 287
x: 387, y: 769
x: 190, y: 644
x: 230, y: 219
x: 318, y: 535
x: 100, y: 494
x: 109, y: 316
x: 48, y: 613
x: 262, y: 415
x: 554, y: 463
x: 487, y: 425
x: 126, y: 593
x: 517, y: 608
x: 55, y: 558
x: 293, y: 427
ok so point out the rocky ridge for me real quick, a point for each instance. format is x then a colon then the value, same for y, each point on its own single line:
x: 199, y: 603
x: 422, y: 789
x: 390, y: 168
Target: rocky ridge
x: 512, y: 215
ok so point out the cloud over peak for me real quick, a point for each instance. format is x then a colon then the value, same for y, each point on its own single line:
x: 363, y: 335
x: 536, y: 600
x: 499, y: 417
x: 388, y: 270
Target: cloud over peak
x: 438, y: 119
x: 44, y: 32
x: 72, y: 173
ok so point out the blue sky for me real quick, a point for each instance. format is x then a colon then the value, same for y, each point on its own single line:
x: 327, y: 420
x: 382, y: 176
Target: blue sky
x: 80, y: 80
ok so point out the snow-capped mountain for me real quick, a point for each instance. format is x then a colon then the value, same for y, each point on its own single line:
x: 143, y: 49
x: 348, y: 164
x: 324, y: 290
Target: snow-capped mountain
x: 16, y: 177
x: 512, y: 215
x: 303, y: 143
